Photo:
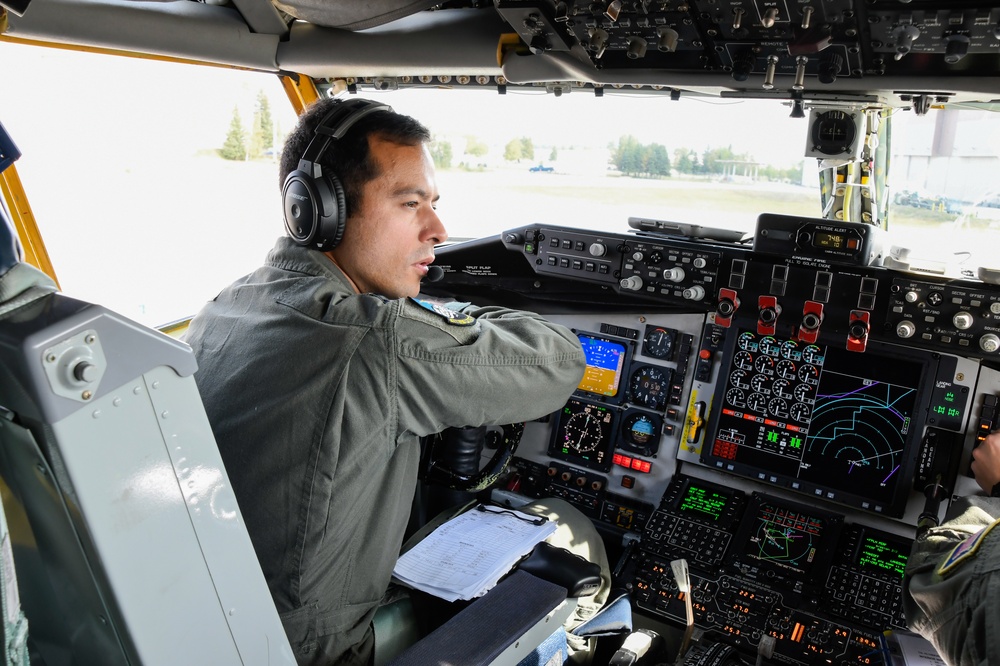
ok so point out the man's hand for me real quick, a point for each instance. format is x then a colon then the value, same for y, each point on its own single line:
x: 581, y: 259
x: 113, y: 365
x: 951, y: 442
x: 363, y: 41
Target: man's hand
x: 986, y: 462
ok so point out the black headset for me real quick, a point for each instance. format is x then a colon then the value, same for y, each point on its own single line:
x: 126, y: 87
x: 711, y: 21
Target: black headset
x: 314, y: 204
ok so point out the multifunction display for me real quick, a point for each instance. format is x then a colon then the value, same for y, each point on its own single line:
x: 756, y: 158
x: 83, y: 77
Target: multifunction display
x: 839, y: 425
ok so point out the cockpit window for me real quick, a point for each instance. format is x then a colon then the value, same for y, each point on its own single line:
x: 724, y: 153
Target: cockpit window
x: 154, y: 184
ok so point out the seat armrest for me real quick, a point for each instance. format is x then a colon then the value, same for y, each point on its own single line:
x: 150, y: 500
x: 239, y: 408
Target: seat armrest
x: 483, y: 630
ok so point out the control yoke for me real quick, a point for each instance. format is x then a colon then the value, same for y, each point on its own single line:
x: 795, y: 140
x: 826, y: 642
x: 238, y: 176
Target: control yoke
x: 446, y: 456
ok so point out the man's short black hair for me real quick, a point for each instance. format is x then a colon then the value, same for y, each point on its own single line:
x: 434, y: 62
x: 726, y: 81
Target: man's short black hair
x: 349, y: 158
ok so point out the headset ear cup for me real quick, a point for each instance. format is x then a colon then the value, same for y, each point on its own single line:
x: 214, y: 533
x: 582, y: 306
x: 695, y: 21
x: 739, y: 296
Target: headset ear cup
x: 335, y: 206
x: 314, y: 210
x: 299, y: 206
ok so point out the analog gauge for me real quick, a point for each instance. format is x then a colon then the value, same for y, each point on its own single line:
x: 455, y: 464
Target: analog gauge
x: 658, y: 343
x: 640, y: 433
x: 759, y: 383
x: 739, y: 379
x: 584, y: 432
x: 790, y: 350
x: 800, y: 412
x: 764, y: 364
x: 813, y: 354
x: 778, y: 407
x: 735, y: 397
x: 747, y: 341
x: 785, y: 369
x: 757, y: 402
x: 768, y: 345
x: 650, y: 387
x: 803, y: 393
x: 743, y: 360
x: 809, y: 374
x: 782, y: 388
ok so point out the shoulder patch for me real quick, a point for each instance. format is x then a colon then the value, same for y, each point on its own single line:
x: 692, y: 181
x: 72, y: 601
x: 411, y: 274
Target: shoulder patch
x: 965, y: 550
x: 450, y: 316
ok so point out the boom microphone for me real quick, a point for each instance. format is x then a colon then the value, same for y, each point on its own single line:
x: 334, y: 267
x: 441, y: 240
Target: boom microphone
x: 434, y: 273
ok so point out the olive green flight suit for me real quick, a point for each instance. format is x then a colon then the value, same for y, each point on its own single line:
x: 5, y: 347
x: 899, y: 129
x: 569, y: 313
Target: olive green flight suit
x: 951, y: 591
x: 318, y: 397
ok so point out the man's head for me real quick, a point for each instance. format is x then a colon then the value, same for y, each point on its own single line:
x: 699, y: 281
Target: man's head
x: 387, y: 175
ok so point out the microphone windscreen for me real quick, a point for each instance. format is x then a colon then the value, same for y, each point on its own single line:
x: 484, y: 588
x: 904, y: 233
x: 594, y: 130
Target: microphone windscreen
x: 434, y: 273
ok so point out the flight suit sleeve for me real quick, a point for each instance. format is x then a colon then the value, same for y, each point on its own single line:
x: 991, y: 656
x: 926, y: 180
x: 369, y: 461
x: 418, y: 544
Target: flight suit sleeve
x: 952, y: 583
x: 480, y: 366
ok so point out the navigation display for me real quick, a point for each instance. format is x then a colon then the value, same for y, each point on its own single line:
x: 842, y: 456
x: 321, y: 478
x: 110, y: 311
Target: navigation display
x: 838, y: 425
x: 605, y: 366
x: 782, y: 536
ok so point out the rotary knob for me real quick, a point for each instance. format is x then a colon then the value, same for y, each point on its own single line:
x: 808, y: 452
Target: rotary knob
x: 962, y: 320
x: 905, y: 329
x: 694, y: 293
x: 633, y: 283
x: 989, y: 342
x: 675, y: 274
x: 598, y: 249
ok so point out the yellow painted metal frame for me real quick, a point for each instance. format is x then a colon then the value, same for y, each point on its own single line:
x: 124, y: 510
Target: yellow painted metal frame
x: 301, y: 91
x: 24, y: 223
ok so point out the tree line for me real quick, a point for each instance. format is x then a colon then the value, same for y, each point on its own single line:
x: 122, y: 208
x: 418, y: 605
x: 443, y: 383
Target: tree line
x: 629, y: 156
x: 241, y: 144
x: 633, y: 158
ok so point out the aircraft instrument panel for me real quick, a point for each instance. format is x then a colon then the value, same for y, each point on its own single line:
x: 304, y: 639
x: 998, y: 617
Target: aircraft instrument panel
x: 778, y: 416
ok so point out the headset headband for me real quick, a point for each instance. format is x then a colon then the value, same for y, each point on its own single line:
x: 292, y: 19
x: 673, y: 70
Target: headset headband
x: 334, y: 126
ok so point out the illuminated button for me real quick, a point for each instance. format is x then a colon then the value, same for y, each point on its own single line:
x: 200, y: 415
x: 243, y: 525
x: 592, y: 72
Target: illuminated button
x: 554, y: 242
x: 641, y: 465
x: 553, y: 261
x: 602, y: 269
x: 628, y: 481
x: 567, y: 244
